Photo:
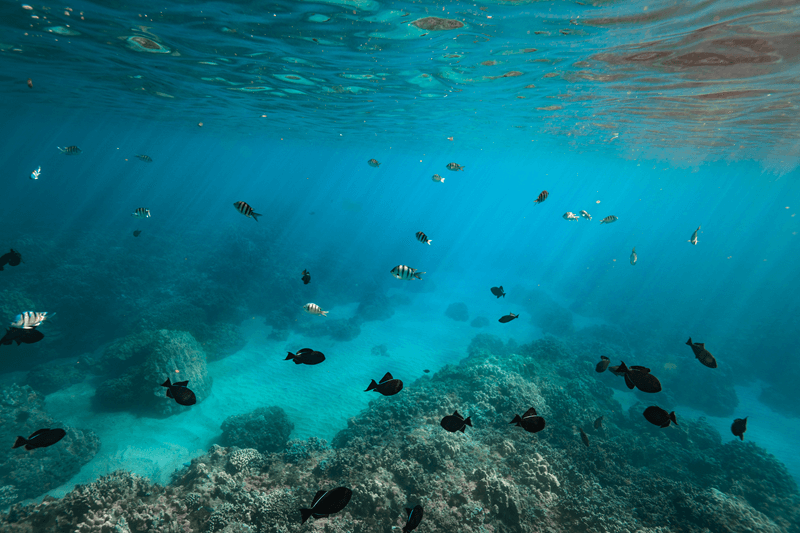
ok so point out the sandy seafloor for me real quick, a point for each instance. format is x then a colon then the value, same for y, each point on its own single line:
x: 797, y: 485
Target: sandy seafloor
x: 319, y: 399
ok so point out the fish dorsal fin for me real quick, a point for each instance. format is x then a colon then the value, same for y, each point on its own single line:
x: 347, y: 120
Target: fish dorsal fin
x: 387, y: 377
x: 408, y: 512
x: 181, y: 383
x: 317, y: 497
x: 455, y: 414
x: 38, y: 432
x: 701, y: 345
x: 529, y: 412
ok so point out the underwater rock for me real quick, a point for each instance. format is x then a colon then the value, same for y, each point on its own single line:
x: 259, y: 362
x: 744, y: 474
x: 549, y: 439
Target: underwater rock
x: 221, y: 340
x: 265, y: 429
x: 457, y: 311
x: 50, y: 378
x: 479, y: 322
x: 380, y: 349
x: 375, y: 306
x: 437, y: 24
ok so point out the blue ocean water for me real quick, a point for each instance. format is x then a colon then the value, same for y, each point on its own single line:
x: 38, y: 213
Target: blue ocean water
x: 671, y: 117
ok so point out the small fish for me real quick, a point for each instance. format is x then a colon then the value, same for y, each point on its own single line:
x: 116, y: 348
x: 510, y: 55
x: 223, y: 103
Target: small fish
x: 41, y: 438
x: 455, y: 422
x: 145, y: 158
x: 659, y: 417
x: 437, y: 177
x: 30, y: 83
x: 137, y: 232
x: 415, y: 514
x: 427, y: 371
x: 542, y: 197
x: 306, y: 277
x: 584, y: 437
x: 702, y: 355
x: 603, y: 364
x: 454, y: 167
x: 569, y: 215
x: 11, y: 258
x: 739, y: 426
x: 18, y: 335
x: 306, y: 356
x: 141, y: 212
x: 406, y: 273
x: 36, y: 173
x: 421, y: 237
x: 693, y: 240
x: 387, y: 386
x: 609, y: 219
x: 246, y: 210
x: 70, y: 150
x: 598, y: 423
x: 642, y: 379
x: 508, y: 318
x: 373, y: 163
x: 30, y: 320
x: 586, y: 215
x: 498, y: 291
x: 529, y: 421
x: 327, y: 502
x: 314, y: 309
x: 180, y: 392
x: 634, y: 257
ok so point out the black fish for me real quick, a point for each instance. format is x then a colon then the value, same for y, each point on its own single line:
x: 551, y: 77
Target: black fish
x: 659, y: 417
x: 529, y: 421
x: 455, y: 422
x: 498, y: 291
x: 388, y: 385
x: 603, y: 364
x: 41, y: 438
x: 180, y: 392
x: 12, y: 258
x: 327, y: 502
x: 598, y: 423
x: 414, y: 518
x: 137, y: 232
x: 427, y: 371
x: 306, y: 356
x: 739, y: 426
x: 643, y: 379
x: 702, y: 355
x: 28, y: 336
x: 584, y: 437
x: 306, y: 277
x: 619, y: 370
x: 508, y: 318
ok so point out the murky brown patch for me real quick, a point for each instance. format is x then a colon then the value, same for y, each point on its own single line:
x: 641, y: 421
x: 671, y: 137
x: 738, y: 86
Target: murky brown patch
x: 437, y: 24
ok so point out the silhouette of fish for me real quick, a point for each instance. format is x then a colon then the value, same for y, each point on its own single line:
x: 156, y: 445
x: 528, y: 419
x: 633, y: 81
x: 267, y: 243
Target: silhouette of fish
x: 598, y: 423
x: 327, y: 502
x: 180, y: 392
x: 387, y: 386
x: 702, y: 355
x: 529, y: 421
x: 137, y: 232
x: 603, y: 364
x: 306, y: 277
x: 41, y: 438
x: 19, y: 335
x: 414, y: 518
x: 508, y: 318
x: 584, y: 437
x: 739, y: 426
x: 498, y: 291
x: 455, y: 422
x: 659, y: 417
x: 306, y: 356
x: 11, y: 258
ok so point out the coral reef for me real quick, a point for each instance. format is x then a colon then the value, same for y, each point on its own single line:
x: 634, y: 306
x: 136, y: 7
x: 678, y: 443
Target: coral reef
x: 50, y: 378
x: 266, y: 429
x: 457, y: 311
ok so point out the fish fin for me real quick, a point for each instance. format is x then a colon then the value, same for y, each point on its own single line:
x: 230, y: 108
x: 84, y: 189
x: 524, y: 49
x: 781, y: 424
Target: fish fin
x: 20, y: 441
x: 430, y: 241
x: 290, y: 356
x: 455, y: 413
x: 372, y: 385
x: 741, y: 436
x: 317, y: 496
x: 255, y: 215
x: 468, y: 421
x: 530, y: 412
x: 689, y: 342
x: 702, y: 345
x: 387, y: 377
x: 169, y: 393
x: 304, y: 515
x: 408, y: 511
x: 443, y: 180
x: 181, y: 383
x: 418, y: 274
x: 628, y: 382
x: 504, y: 294
x: 672, y: 417
x: 463, y: 428
x: 325, y: 313
x: 516, y: 420
x: 634, y: 249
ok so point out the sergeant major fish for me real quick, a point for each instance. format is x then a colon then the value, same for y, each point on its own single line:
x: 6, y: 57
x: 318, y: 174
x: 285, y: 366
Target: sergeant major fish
x: 634, y: 257
x: 70, y: 150
x: 36, y: 173
x: 693, y: 240
x: 542, y: 197
x: 421, y: 237
x: 314, y: 309
x: 569, y: 215
x: 609, y: 219
x: 454, y: 167
x: 437, y: 177
x: 246, y: 210
x: 141, y: 212
x: 586, y: 215
x: 145, y: 158
x: 373, y: 163
x: 30, y: 320
x: 406, y: 273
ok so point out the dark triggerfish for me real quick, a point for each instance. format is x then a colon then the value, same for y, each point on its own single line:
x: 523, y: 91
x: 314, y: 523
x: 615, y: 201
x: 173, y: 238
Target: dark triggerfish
x: 41, y: 438
x: 327, y: 502
x: 739, y: 426
x: 584, y: 436
x: 414, y: 518
x: 19, y: 335
x: 603, y: 364
x: 508, y: 318
x: 498, y: 291
x: 529, y: 421
x: 306, y: 277
x: 659, y: 417
x: 387, y: 386
x: 306, y: 356
x: 11, y: 258
x: 455, y: 422
x: 642, y: 379
x: 180, y: 392
x: 702, y: 355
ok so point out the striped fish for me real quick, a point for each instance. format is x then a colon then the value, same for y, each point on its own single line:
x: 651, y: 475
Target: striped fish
x: 693, y: 240
x: 609, y: 219
x: 406, y: 273
x: 141, y: 212
x: 246, y: 210
x: 29, y: 320
x: 421, y: 237
x: 454, y: 166
x: 70, y: 150
x: 314, y: 309
x: 373, y: 163
x: 634, y: 257
x: 542, y: 197
x: 586, y: 215
x: 569, y: 215
x: 437, y: 177
x: 145, y: 158
x: 36, y: 173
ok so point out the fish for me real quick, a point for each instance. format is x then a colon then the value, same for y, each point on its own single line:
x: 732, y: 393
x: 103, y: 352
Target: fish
x: 584, y: 437
x: 603, y: 364
x: 145, y: 158
x: 306, y: 356
x: 137, y: 232
x: 569, y: 215
x: 373, y: 163
x: 739, y: 426
x: 180, y: 392
x: 702, y: 355
x: 437, y: 177
x: 642, y: 379
x: 618, y: 370
x: 141, y: 212
x: 306, y: 277
x: 454, y: 167
x: 530, y: 421
x: 498, y: 291
x: 598, y: 423
x: 586, y: 215
x: 609, y: 219
x: 30, y: 319
x: 327, y: 502
x: 427, y: 371
x: 414, y: 515
x: 406, y: 273
x: 246, y: 210
x: 542, y: 197
x: 508, y: 318
x: 314, y: 309
x: 387, y: 386
x: 18, y: 335
x: 455, y: 422
x: 36, y: 173
x: 693, y: 240
x: 12, y: 258
x: 634, y: 257
x: 30, y: 83
x: 70, y: 150
x: 421, y: 237
x: 659, y: 417
x: 41, y: 438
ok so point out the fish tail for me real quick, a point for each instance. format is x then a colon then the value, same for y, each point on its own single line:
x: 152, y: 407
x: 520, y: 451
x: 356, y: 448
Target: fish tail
x: 324, y: 313
x: 689, y: 342
x: 418, y: 274
x: 305, y: 514
x: 290, y: 356
x: 372, y: 385
x: 504, y: 294
x: 443, y: 180
x: 516, y: 420
x: 461, y: 168
x: 468, y: 421
x: 429, y: 241
x: 672, y: 417
x: 741, y: 437
x: 20, y: 441
x: 166, y: 383
x: 256, y: 215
